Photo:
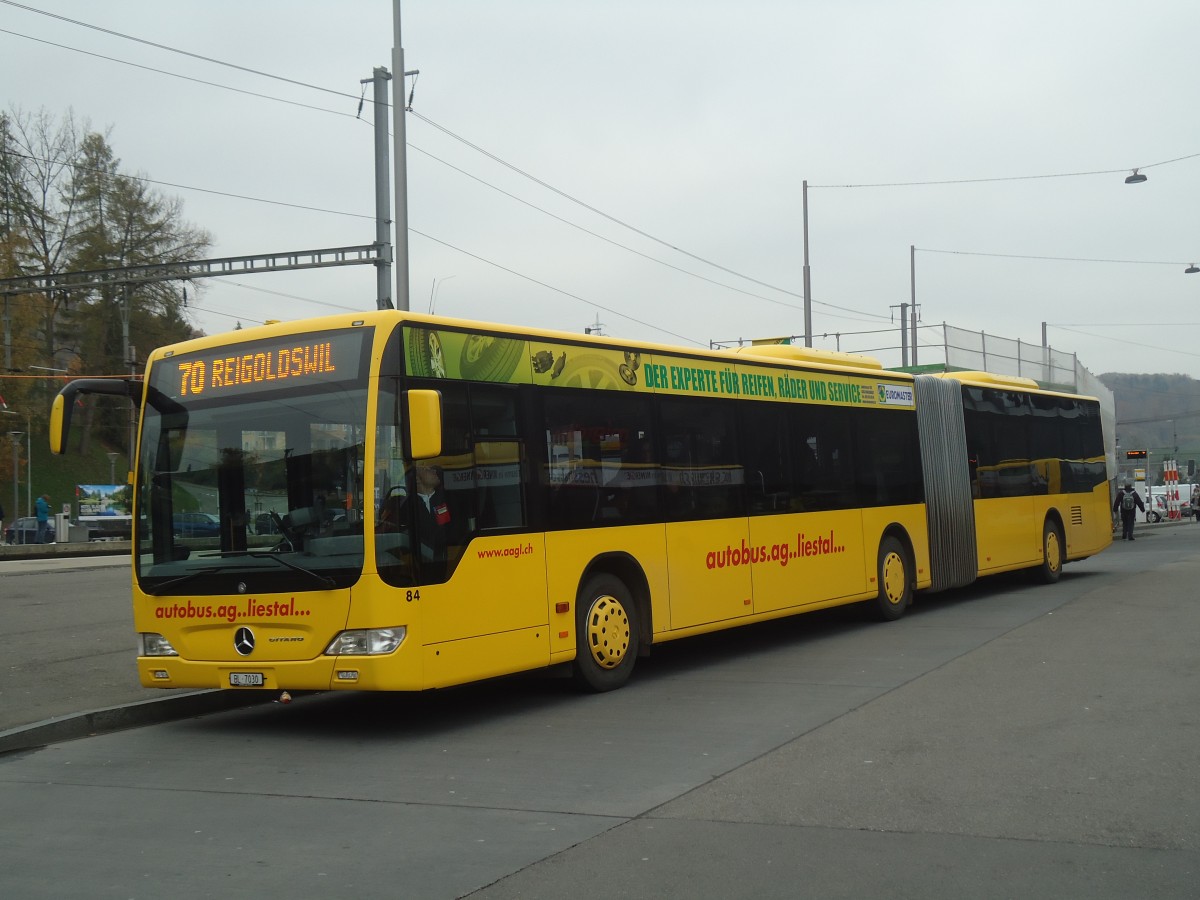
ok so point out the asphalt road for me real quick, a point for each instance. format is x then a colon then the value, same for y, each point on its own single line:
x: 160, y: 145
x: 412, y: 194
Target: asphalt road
x: 1006, y: 740
x: 69, y: 638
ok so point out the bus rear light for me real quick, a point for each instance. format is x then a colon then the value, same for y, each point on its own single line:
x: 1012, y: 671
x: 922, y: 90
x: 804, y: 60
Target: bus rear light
x: 367, y: 641
x: 151, y: 643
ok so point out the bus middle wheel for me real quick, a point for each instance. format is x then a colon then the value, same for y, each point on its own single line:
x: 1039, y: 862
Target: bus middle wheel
x: 895, y: 581
x: 606, y: 634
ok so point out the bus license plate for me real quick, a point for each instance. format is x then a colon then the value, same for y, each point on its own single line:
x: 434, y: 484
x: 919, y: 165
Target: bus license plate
x: 246, y: 679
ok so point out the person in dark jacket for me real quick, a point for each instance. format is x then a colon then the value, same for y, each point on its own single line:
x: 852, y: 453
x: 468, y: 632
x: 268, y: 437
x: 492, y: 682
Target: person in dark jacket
x: 433, y: 517
x: 1127, y: 505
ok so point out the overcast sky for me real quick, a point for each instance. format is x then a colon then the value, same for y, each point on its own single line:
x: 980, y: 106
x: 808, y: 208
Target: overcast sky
x: 640, y: 164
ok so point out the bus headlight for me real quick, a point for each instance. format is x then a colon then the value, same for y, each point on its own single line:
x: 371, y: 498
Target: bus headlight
x: 153, y: 644
x: 367, y: 641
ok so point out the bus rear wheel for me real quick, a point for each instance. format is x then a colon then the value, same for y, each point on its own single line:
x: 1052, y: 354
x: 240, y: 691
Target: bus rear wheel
x: 606, y: 634
x: 1053, y: 547
x: 895, y: 583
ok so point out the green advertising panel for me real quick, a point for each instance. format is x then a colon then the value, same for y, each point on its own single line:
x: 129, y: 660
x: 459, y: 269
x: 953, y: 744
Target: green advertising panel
x: 436, y: 353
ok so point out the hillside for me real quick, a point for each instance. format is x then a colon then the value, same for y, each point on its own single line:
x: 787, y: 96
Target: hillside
x: 1157, y: 413
x: 53, y: 475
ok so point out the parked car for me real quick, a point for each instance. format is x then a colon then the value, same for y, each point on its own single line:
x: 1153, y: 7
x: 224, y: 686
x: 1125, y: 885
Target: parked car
x: 1156, y: 509
x: 196, y: 524
x: 265, y: 524
x: 24, y: 531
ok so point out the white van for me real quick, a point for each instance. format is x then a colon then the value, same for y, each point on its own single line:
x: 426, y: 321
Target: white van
x: 1157, y: 509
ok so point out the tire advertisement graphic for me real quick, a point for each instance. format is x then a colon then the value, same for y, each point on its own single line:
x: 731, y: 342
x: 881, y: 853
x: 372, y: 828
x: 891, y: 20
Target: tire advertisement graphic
x: 425, y: 355
x: 490, y: 358
x: 434, y: 353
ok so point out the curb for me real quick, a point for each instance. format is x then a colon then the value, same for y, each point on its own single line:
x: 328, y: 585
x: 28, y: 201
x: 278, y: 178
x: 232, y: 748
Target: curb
x: 130, y: 715
x: 60, y: 551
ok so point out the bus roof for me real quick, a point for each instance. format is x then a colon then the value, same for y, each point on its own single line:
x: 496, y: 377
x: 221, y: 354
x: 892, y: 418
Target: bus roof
x: 778, y: 354
x: 792, y: 353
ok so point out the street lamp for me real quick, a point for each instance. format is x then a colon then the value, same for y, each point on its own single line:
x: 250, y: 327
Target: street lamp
x: 1136, y: 178
x: 1191, y: 270
x: 433, y: 291
x: 15, y: 437
x: 28, y: 462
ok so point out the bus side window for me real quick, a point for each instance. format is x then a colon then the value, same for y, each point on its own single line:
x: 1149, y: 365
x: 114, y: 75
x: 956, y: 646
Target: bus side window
x: 769, y: 470
x: 826, y: 475
x: 888, y: 458
x: 498, y: 467
x: 499, y: 458
x: 703, y: 475
x: 600, y: 467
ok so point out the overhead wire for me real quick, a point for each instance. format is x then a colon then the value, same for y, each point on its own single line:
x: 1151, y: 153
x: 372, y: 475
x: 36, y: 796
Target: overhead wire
x: 601, y: 237
x: 351, y: 97
x: 125, y: 62
x: 187, y: 187
x: 437, y: 126
x: 885, y: 184
x: 1141, y: 262
x: 557, y: 290
x: 170, y: 49
x: 536, y: 180
x: 1126, y: 341
x: 178, y: 186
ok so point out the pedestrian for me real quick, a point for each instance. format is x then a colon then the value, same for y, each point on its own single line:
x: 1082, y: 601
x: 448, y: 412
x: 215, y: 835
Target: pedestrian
x: 43, y: 518
x: 1127, y: 504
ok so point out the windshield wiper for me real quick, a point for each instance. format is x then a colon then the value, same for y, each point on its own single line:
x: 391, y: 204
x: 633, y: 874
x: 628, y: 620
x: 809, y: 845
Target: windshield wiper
x: 323, y: 580
x: 258, y: 554
x: 160, y: 589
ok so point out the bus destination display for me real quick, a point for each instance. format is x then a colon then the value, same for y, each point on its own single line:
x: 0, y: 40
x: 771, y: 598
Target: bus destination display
x: 264, y: 365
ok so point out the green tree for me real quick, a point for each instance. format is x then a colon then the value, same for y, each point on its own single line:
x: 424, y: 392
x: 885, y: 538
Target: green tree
x: 72, y: 209
x: 122, y: 223
x: 17, y: 313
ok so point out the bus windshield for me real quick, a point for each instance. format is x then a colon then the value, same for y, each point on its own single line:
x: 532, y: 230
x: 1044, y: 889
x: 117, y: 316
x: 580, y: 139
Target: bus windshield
x: 252, y: 478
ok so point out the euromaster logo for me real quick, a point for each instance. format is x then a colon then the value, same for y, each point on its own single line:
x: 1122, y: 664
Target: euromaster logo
x: 896, y: 395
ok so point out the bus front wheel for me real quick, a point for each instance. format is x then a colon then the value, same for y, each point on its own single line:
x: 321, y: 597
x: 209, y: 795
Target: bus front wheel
x: 895, y: 584
x: 606, y: 634
x: 1052, y: 553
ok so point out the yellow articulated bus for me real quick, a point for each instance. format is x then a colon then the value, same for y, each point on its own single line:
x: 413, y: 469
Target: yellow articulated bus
x: 391, y: 501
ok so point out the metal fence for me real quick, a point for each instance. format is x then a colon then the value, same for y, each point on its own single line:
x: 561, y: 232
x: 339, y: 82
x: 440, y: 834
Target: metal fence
x: 944, y: 348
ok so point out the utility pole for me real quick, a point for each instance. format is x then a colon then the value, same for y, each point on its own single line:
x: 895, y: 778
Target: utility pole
x: 903, y: 333
x: 912, y: 278
x: 129, y: 354
x: 401, y: 242
x: 808, y: 335
x: 383, y: 213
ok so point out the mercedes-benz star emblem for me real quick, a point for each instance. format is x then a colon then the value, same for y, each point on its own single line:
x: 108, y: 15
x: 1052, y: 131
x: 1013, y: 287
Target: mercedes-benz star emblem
x: 243, y: 641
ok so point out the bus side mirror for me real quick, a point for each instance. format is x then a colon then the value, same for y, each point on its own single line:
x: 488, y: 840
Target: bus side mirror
x: 64, y: 403
x: 58, y: 428
x: 424, y: 424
